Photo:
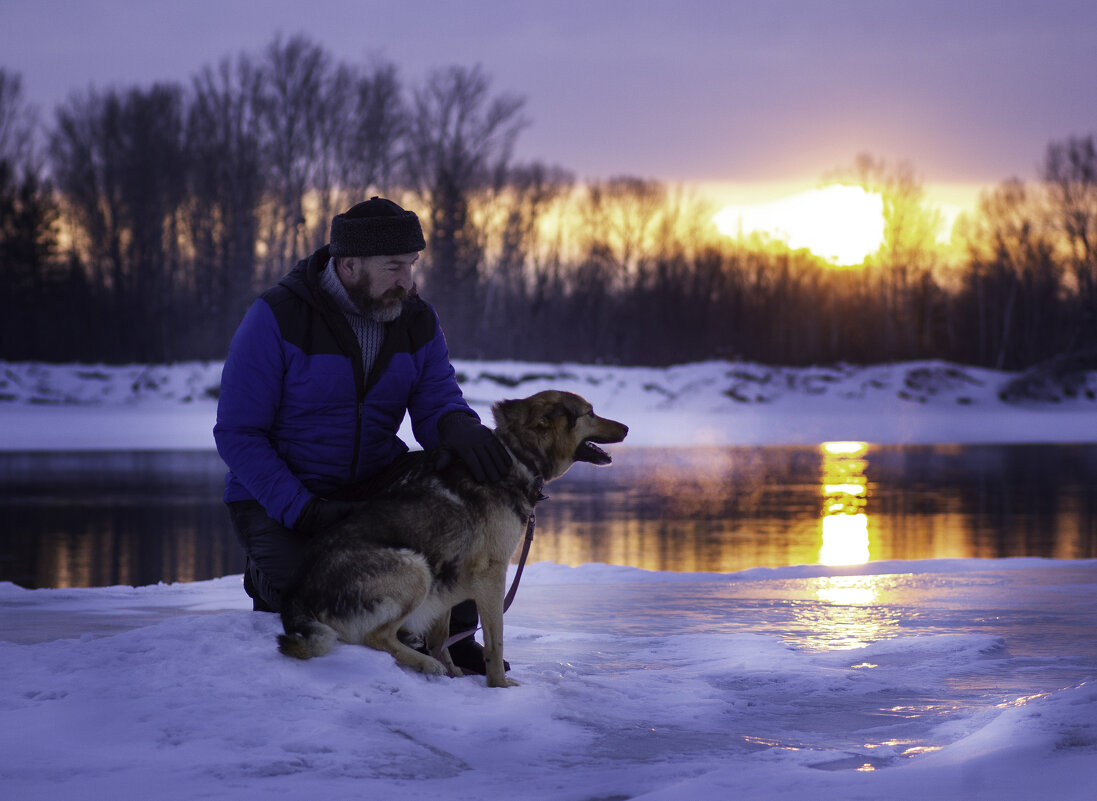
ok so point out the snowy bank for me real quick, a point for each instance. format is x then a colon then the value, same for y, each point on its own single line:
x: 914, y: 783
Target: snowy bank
x: 82, y: 407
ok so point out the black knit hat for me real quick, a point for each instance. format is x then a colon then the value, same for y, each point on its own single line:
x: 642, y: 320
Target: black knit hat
x: 376, y: 227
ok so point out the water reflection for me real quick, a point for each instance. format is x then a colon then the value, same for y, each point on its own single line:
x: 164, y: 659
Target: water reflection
x: 696, y: 509
x: 94, y: 519
x: 845, y: 539
x: 97, y: 519
x: 844, y: 524
x: 851, y: 612
x: 848, y: 590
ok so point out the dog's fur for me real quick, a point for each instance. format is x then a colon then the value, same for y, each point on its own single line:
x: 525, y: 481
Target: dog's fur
x: 435, y: 538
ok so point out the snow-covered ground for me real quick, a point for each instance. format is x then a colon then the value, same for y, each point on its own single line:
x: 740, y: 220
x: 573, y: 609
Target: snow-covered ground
x: 957, y: 679
x: 80, y: 407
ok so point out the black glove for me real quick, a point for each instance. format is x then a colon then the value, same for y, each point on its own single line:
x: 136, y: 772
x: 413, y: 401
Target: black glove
x: 320, y: 514
x: 475, y: 445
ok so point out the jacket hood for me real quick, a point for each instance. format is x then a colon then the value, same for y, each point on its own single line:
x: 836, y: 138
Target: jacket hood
x: 304, y: 279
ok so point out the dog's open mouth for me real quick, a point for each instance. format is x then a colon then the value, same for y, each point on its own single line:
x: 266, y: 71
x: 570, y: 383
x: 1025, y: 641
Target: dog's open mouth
x: 589, y: 452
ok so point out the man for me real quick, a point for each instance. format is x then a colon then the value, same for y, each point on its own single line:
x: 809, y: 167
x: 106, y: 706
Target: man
x: 317, y: 381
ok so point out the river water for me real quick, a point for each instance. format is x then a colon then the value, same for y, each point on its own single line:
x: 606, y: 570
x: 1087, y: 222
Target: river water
x: 94, y: 519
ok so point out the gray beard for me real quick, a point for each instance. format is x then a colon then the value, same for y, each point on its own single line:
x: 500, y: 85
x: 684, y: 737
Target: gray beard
x: 384, y: 309
x: 386, y: 312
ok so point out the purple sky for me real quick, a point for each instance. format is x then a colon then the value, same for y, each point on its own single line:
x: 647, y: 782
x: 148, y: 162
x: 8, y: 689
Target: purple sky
x: 686, y: 90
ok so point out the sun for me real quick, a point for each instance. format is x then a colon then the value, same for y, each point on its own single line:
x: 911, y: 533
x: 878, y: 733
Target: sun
x: 838, y: 223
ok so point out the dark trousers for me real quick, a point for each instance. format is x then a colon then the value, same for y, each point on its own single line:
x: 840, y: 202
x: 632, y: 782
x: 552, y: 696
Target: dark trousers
x: 273, y: 552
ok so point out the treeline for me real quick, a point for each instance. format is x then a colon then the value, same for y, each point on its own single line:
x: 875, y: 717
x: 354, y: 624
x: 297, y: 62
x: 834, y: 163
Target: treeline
x: 140, y: 223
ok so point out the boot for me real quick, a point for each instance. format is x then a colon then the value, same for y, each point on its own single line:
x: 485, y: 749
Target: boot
x: 467, y: 654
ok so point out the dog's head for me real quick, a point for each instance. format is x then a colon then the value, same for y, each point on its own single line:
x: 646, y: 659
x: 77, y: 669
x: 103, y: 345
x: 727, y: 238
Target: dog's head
x: 552, y: 430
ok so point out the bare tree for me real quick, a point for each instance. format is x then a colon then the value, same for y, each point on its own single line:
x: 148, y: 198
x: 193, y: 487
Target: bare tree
x: 85, y: 167
x: 358, y: 133
x: 179, y: 203
x: 457, y: 136
x: 27, y: 233
x: 372, y: 117
x: 510, y: 217
x: 296, y: 79
x: 530, y: 190
x: 1013, y: 276
x: 330, y: 135
x: 121, y: 162
x: 154, y: 168
x: 902, y: 267
x: 1070, y: 172
x: 911, y: 224
x: 625, y: 211
x: 226, y: 185
x: 18, y: 121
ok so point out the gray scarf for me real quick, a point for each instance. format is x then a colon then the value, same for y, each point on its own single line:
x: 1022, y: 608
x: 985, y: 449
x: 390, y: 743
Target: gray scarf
x: 370, y: 332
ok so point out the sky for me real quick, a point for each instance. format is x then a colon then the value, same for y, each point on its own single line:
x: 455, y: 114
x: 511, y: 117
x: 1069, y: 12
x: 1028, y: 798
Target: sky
x: 754, y: 94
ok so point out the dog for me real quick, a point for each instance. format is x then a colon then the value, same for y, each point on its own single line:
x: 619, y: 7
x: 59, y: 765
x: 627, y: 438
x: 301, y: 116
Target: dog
x: 436, y: 537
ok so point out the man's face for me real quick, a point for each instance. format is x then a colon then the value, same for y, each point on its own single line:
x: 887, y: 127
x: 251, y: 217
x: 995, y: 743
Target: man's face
x: 378, y: 285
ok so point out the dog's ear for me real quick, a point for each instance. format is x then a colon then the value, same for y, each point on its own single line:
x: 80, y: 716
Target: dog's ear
x: 507, y: 413
x: 501, y: 412
x: 554, y: 411
x: 537, y: 411
x: 540, y: 414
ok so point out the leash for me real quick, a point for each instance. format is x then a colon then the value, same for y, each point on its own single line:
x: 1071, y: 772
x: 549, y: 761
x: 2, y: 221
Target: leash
x: 509, y: 599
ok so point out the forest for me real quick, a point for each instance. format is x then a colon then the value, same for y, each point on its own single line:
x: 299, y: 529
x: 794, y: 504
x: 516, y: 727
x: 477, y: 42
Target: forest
x: 139, y: 223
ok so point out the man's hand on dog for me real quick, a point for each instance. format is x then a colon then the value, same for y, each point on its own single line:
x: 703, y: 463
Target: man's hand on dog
x: 321, y: 514
x: 476, y: 445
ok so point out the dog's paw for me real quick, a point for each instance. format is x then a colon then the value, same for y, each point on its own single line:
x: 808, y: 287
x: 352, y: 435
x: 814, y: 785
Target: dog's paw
x: 432, y: 667
x: 506, y: 682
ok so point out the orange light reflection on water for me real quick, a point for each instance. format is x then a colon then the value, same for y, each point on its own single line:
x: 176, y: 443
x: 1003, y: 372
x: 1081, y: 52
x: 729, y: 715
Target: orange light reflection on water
x: 844, y: 523
x: 723, y: 510
x: 849, y: 614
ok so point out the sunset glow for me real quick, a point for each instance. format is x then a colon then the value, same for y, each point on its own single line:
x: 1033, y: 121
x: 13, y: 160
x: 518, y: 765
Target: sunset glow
x: 838, y: 223
x: 844, y: 524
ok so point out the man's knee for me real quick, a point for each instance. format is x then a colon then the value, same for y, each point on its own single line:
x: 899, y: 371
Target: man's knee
x: 264, y: 597
x: 272, y: 550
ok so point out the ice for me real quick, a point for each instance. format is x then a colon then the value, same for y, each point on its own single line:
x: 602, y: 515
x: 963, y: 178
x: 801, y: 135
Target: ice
x: 961, y: 679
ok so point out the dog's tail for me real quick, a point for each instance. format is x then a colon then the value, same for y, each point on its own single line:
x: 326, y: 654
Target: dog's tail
x: 312, y: 639
x: 305, y: 636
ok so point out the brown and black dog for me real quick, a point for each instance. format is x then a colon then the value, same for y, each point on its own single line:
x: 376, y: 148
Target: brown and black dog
x: 436, y: 537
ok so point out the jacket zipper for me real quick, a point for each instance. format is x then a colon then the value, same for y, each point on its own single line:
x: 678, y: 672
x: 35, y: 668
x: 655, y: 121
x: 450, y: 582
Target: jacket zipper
x: 357, y: 439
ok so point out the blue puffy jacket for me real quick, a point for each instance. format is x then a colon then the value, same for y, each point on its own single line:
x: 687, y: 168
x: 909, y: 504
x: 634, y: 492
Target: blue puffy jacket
x: 296, y: 416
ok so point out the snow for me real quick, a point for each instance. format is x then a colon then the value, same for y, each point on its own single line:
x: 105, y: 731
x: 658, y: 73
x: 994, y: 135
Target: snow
x: 965, y: 679
x: 92, y: 407
x: 948, y: 679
